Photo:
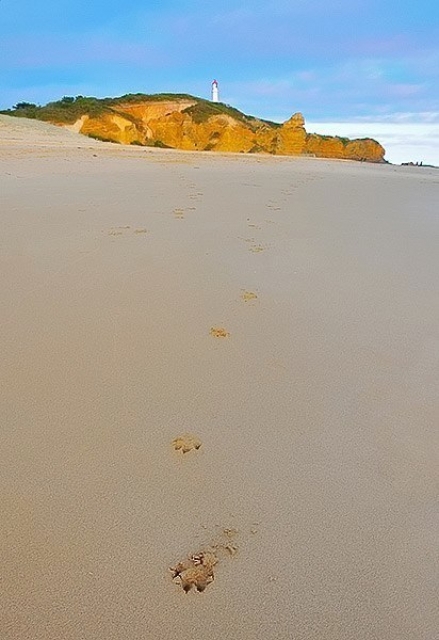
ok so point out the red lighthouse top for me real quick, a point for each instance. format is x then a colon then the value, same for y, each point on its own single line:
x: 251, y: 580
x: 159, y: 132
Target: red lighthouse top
x: 215, y: 82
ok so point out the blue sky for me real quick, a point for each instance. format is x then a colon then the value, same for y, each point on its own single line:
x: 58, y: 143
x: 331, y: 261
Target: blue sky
x: 364, y: 63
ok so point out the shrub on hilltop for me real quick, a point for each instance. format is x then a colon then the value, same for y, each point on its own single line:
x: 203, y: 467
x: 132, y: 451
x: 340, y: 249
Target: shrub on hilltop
x: 65, y: 111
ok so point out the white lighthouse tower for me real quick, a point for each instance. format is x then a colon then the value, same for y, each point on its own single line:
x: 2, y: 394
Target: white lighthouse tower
x: 215, y: 92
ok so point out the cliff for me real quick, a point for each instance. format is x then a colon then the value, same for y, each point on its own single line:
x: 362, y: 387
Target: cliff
x: 182, y: 121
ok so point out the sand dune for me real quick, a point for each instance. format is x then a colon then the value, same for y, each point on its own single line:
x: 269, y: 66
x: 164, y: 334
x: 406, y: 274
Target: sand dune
x: 22, y: 131
x: 286, y: 319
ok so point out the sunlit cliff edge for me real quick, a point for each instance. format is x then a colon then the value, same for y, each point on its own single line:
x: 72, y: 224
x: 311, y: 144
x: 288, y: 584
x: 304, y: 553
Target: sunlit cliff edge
x: 182, y: 121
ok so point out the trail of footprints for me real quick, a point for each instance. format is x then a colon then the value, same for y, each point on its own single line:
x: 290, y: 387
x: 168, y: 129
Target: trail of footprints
x: 197, y: 570
x: 194, y: 195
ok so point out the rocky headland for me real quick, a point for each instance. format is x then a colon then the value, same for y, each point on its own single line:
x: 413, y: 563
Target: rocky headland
x: 181, y: 121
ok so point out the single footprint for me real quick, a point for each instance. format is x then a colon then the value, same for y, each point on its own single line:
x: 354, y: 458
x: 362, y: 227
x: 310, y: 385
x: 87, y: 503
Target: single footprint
x: 186, y: 443
x: 219, y: 332
x: 249, y: 295
x: 196, y: 571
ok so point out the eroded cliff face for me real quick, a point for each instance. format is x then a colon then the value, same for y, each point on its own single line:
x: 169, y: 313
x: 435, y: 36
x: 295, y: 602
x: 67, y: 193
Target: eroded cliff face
x: 190, y: 125
x: 335, y: 147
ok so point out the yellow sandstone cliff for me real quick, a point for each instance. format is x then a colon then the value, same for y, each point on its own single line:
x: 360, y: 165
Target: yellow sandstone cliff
x: 185, y: 122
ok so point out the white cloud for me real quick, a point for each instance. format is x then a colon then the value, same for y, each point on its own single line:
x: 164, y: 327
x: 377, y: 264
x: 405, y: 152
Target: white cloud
x: 404, y: 117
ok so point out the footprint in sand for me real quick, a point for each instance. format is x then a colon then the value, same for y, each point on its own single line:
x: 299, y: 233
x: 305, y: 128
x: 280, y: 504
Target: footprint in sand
x: 197, y: 570
x: 187, y: 442
x: 219, y: 332
x: 257, y: 248
x: 248, y: 296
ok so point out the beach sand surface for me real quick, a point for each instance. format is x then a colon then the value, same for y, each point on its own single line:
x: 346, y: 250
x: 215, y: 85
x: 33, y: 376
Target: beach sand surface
x: 285, y: 312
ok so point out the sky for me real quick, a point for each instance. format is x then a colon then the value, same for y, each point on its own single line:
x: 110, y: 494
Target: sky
x: 352, y: 67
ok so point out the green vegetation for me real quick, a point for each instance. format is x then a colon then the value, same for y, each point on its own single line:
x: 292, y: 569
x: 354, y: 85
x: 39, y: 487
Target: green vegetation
x: 321, y: 136
x: 268, y: 123
x: 144, y: 97
x: 25, y: 105
x: 69, y: 109
x: 204, y: 109
x: 344, y: 141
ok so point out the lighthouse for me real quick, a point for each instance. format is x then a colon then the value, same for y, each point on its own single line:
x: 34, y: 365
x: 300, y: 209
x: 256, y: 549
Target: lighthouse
x: 215, y: 93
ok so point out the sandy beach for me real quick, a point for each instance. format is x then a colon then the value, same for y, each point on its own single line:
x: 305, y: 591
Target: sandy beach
x: 283, y: 311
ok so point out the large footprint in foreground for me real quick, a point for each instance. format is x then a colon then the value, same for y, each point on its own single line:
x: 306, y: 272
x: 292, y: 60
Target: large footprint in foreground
x: 196, y: 571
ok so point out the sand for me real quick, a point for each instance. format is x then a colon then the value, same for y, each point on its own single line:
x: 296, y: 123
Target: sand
x: 315, y: 407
